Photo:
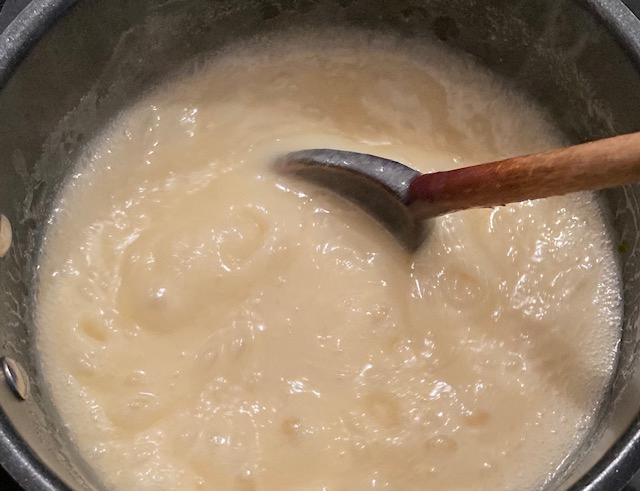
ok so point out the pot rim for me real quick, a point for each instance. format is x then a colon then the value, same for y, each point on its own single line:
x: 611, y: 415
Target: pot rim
x: 612, y: 471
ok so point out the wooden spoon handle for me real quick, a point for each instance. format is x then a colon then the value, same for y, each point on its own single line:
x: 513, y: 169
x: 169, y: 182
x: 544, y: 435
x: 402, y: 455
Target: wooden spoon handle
x: 590, y: 166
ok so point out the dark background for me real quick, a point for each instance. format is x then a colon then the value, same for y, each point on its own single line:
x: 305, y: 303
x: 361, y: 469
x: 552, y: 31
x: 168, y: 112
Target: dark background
x: 633, y: 5
x: 10, y: 8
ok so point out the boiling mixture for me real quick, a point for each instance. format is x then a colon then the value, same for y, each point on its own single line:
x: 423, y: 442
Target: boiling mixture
x: 206, y: 324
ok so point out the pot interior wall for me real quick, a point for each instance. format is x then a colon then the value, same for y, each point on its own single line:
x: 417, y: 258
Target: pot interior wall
x: 102, y: 56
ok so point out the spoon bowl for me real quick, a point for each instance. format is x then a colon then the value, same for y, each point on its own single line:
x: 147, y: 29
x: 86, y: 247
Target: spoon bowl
x: 380, y: 186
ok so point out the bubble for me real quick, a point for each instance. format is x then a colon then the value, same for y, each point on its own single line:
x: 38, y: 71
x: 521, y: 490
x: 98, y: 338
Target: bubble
x: 463, y: 287
x: 383, y: 409
x: 441, y: 446
x: 477, y: 419
x: 94, y: 327
x: 291, y: 427
x: 135, y: 412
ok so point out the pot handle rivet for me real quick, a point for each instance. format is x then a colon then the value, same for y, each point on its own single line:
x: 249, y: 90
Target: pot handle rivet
x: 15, y: 377
x: 5, y: 235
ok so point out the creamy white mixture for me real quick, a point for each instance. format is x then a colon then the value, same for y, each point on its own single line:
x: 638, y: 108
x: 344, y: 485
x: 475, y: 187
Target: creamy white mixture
x: 205, y: 324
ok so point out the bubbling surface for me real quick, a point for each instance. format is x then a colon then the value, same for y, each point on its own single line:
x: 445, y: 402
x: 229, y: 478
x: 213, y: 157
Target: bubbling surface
x: 206, y: 324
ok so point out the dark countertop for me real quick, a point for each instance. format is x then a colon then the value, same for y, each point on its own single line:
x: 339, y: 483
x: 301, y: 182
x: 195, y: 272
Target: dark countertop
x: 6, y: 483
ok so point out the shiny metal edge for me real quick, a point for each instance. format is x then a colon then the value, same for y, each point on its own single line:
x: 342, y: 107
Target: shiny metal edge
x: 26, y: 29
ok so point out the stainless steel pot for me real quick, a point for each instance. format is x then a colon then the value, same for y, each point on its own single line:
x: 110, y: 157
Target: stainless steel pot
x: 67, y: 68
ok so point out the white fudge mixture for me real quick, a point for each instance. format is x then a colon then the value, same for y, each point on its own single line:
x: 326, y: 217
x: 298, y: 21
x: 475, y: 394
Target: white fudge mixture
x: 206, y: 324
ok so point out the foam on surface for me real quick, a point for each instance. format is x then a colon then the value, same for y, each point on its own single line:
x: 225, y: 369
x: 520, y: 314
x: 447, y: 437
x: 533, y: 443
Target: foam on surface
x: 206, y: 324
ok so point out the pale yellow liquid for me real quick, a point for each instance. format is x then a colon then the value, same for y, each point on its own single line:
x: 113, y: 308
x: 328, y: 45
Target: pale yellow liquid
x: 205, y: 324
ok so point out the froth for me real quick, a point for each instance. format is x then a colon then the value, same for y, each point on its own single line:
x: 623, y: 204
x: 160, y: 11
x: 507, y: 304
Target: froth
x: 215, y: 324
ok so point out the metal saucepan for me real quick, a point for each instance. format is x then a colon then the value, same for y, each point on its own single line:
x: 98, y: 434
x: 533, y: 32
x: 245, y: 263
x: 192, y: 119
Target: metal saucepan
x: 67, y: 68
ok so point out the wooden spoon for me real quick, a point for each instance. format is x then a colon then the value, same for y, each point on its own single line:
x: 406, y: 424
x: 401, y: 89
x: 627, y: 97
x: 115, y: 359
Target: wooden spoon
x: 401, y: 197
